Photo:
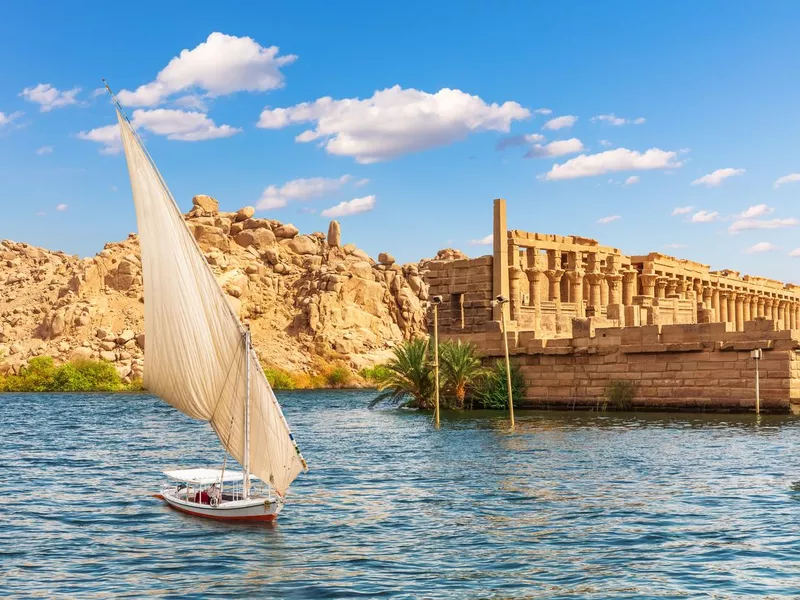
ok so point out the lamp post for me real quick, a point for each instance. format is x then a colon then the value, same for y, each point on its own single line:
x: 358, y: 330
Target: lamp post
x: 500, y: 300
x: 756, y: 355
x: 436, y: 300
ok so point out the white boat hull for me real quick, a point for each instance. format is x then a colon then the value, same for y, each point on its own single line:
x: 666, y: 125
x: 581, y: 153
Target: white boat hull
x: 251, y: 509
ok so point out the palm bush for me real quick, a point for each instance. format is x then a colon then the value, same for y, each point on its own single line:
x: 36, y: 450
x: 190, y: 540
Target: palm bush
x: 460, y: 369
x: 493, y: 390
x: 408, y: 377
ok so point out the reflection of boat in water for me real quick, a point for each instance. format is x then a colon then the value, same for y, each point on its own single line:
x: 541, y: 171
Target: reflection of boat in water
x: 199, y: 359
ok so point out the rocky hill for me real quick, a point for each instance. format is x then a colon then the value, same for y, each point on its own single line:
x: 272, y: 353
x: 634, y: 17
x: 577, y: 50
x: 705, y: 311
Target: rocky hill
x: 308, y: 298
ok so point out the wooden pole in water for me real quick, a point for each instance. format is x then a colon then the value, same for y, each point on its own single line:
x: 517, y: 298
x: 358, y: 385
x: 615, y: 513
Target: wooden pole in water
x: 436, y: 301
x: 756, y: 354
x: 501, y: 300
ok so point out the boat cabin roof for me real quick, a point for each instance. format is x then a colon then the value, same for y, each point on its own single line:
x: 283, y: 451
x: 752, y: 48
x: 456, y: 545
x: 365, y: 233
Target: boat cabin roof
x: 207, y: 476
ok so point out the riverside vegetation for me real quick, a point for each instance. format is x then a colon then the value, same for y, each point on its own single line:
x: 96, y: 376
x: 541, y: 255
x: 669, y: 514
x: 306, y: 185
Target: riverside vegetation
x: 41, y: 374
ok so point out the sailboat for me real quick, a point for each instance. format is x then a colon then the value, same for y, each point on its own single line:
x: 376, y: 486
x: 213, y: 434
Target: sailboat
x: 200, y: 360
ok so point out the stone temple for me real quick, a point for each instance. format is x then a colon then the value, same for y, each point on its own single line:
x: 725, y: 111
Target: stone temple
x: 581, y: 315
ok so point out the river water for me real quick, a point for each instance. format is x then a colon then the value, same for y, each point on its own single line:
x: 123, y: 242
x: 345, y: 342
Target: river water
x: 570, y: 505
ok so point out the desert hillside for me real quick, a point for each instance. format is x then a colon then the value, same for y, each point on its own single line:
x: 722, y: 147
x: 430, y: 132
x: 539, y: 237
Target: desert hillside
x: 308, y: 298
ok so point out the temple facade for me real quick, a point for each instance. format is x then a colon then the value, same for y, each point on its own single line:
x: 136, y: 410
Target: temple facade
x: 563, y: 289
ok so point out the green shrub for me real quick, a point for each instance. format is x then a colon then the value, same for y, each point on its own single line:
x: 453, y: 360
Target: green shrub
x: 619, y: 394
x: 338, y: 377
x: 41, y: 375
x: 280, y: 379
x: 460, y: 372
x: 374, y: 374
x: 493, y: 390
x: 409, y: 377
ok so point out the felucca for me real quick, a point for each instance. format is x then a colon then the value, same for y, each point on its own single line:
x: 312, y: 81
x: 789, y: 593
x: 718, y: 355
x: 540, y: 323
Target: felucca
x: 199, y: 359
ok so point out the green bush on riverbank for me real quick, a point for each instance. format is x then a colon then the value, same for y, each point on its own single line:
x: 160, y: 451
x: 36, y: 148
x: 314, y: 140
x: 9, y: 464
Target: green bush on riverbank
x: 42, y: 375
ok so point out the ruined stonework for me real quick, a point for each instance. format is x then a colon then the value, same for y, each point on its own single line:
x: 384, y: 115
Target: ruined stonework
x: 581, y: 315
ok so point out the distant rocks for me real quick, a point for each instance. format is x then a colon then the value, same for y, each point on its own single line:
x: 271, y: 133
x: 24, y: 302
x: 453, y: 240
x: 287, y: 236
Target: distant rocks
x: 450, y: 254
x: 244, y: 213
x: 208, y: 204
x: 334, y: 235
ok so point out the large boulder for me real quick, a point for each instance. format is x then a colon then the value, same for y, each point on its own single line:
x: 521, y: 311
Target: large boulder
x: 450, y: 254
x: 286, y: 231
x: 244, y: 213
x: 207, y: 203
x: 258, y: 238
x: 211, y: 237
x: 334, y: 234
x: 303, y: 244
x: 385, y: 259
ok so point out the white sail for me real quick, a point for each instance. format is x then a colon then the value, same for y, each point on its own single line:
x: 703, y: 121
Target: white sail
x: 195, y: 355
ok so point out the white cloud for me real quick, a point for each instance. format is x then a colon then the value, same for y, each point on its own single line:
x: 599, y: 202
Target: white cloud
x: 605, y: 143
x: 704, y: 216
x: 221, y: 65
x: 757, y: 210
x: 609, y: 219
x: 543, y: 111
x: 44, y: 150
x: 484, y: 241
x: 192, y: 102
x: 519, y: 140
x: 350, y: 207
x: 748, y: 224
x: 795, y: 252
x: 185, y: 126
x: 560, y: 122
x: 717, y: 177
x: 675, y: 246
x: 394, y: 121
x: 97, y: 92
x: 6, y: 119
x: 299, y: 189
x: 48, y: 97
x: 557, y: 148
x: 682, y: 210
x: 786, y: 179
x: 619, y: 159
x: 361, y: 182
x: 62, y: 207
x: 761, y: 247
x: 616, y: 121
x: 632, y: 180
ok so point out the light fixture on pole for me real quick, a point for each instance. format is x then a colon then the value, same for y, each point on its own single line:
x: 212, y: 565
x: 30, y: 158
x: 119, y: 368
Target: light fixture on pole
x: 757, y: 355
x: 500, y: 300
x: 436, y: 301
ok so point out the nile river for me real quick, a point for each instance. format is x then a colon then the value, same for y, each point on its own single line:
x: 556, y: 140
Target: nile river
x: 570, y: 505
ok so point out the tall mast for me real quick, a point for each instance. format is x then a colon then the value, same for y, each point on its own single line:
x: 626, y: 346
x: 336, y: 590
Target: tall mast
x: 246, y: 463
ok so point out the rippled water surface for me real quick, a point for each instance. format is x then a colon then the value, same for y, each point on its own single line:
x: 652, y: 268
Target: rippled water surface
x: 571, y: 505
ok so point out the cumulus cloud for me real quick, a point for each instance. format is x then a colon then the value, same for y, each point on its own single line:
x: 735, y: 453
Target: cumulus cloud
x: 44, y: 150
x: 787, y: 179
x: 519, y: 140
x: 757, y: 210
x: 560, y: 122
x: 394, y: 121
x: 717, y: 177
x: 49, y: 97
x: 795, y: 252
x: 221, y: 65
x: 484, y: 241
x: 299, y: 190
x: 557, y: 148
x: 704, y: 216
x: 350, y: 207
x: 62, y: 207
x: 632, y: 180
x: 608, y: 219
x: 761, y: 247
x: 748, y: 224
x: 6, y: 119
x: 185, y: 126
x: 616, y: 121
x: 610, y: 161
x: 682, y: 210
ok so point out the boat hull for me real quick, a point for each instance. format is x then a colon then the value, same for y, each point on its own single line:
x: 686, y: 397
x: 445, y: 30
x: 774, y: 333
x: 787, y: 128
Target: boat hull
x: 254, y: 509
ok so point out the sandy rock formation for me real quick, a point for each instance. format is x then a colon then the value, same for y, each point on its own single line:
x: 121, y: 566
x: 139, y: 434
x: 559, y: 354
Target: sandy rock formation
x: 303, y: 295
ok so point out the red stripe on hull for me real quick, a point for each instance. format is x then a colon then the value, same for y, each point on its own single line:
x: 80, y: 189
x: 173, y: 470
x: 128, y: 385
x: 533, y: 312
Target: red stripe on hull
x: 221, y: 518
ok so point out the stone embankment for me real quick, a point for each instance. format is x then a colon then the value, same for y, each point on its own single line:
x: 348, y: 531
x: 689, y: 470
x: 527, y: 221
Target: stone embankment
x: 305, y: 296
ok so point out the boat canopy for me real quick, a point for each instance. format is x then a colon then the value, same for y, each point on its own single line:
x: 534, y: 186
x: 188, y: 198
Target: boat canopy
x: 206, y: 476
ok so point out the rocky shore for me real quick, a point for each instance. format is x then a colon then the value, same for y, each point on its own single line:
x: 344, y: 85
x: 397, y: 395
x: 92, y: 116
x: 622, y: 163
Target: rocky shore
x: 309, y: 299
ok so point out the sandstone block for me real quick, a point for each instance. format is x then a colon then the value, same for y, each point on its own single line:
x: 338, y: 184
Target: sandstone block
x: 244, y: 213
x: 258, y: 238
x: 334, y: 234
x: 385, y: 258
x: 287, y: 231
x: 303, y: 244
x: 108, y: 356
x: 207, y: 203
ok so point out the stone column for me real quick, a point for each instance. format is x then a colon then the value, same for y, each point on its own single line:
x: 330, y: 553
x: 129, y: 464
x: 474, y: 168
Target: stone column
x: 594, y: 294
x: 500, y: 284
x: 723, y: 306
x: 672, y: 287
x: 746, y: 308
x: 576, y: 289
x: 708, y: 312
x: 648, y: 284
x: 775, y: 310
x: 762, y: 306
x: 604, y: 292
x: 515, y: 291
x: 782, y: 315
x: 534, y: 283
x: 753, y: 307
x: 614, y: 288
x: 739, y: 300
x: 697, y: 287
x: 732, y: 307
x: 554, y: 277
x: 661, y: 287
x: 715, y: 304
x: 793, y: 316
x: 628, y: 286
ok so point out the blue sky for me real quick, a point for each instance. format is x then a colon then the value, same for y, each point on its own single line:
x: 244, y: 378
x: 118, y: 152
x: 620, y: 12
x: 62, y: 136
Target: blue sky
x: 714, y: 83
